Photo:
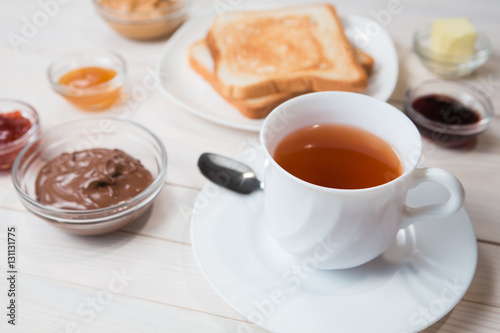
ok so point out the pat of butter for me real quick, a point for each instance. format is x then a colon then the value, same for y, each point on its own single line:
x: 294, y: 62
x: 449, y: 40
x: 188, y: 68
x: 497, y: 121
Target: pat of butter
x: 453, y: 37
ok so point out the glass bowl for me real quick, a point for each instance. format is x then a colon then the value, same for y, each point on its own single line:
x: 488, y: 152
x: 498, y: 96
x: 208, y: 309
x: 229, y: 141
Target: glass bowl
x: 449, y: 66
x: 10, y: 150
x: 134, y: 139
x: 454, y: 133
x: 144, y: 23
x: 97, y: 97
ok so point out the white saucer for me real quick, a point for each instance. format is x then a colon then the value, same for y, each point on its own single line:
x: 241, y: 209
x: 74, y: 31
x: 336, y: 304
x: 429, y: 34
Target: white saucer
x: 187, y: 89
x: 422, y: 276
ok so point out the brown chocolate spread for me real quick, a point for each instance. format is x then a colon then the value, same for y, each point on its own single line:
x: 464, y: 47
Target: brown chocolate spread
x: 91, y: 179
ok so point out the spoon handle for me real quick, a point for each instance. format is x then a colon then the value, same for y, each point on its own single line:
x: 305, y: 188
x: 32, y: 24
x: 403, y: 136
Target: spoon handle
x: 228, y: 173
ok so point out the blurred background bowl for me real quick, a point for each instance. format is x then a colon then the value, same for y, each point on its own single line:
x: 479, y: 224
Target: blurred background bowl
x: 143, y: 24
x: 134, y: 139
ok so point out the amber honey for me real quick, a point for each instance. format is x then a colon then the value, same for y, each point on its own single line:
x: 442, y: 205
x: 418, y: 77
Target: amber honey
x: 338, y: 156
x: 89, y: 90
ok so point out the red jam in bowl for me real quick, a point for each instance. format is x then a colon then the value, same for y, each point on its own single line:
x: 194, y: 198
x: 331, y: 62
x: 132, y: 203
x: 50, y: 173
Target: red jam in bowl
x: 448, y: 112
x: 13, y: 126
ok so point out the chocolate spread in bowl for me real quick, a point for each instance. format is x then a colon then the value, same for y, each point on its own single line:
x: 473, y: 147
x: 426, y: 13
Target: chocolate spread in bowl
x: 91, y: 179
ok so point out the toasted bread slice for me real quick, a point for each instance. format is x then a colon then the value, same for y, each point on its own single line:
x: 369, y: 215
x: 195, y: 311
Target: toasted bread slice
x: 301, y: 48
x: 365, y: 60
x: 201, y: 61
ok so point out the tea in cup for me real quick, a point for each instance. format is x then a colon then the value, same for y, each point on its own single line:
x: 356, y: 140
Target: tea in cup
x: 338, y: 168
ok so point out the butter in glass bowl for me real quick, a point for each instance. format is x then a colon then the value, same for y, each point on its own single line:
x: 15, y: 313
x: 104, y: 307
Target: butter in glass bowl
x: 451, y: 47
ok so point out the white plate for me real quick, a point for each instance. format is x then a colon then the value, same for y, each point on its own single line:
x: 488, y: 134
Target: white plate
x: 190, y: 91
x: 416, y: 282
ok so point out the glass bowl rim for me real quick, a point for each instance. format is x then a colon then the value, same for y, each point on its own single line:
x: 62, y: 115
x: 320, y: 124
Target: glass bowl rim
x: 65, y: 90
x: 425, y: 53
x: 118, y: 15
x: 451, y: 129
x: 120, y: 208
x: 35, y: 126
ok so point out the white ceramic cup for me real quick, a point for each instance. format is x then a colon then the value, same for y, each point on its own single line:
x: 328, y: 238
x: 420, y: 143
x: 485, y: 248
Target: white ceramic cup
x: 345, y: 228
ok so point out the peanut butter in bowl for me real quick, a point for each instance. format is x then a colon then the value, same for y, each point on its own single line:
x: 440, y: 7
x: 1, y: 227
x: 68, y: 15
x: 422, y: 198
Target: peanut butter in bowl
x: 143, y: 19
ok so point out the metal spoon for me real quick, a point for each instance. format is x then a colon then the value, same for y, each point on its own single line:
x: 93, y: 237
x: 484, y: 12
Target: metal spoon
x: 229, y: 173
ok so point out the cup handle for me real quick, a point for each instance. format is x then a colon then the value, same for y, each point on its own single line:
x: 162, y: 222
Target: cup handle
x: 440, y: 176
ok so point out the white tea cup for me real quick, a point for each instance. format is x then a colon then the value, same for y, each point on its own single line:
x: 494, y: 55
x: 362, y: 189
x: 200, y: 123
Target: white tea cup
x: 343, y: 228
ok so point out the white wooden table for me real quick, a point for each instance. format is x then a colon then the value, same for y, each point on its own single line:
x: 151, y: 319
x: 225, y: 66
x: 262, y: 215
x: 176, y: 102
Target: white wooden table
x: 144, y: 278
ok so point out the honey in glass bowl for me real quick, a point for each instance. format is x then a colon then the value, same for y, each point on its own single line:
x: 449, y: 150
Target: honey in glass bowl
x: 91, y: 81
